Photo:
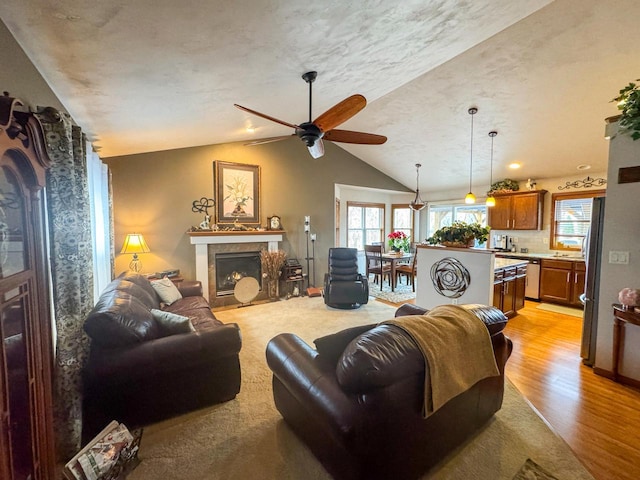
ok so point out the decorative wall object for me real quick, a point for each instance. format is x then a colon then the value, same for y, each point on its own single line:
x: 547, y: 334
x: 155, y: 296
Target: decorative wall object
x: 237, y: 192
x: 586, y: 183
x: 450, y: 277
x: 202, y: 206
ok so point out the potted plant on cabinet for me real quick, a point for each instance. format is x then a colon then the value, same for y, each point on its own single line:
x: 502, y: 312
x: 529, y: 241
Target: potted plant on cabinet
x: 629, y: 103
x: 460, y: 234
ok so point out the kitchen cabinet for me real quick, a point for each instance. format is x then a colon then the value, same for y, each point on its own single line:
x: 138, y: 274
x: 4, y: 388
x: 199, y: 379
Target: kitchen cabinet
x: 562, y: 281
x: 517, y: 211
x: 508, y: 289
x: 521, y: 286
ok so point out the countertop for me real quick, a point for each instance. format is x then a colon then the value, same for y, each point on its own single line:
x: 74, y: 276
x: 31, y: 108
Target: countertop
x: 508, y: 262
x: 571, y: 257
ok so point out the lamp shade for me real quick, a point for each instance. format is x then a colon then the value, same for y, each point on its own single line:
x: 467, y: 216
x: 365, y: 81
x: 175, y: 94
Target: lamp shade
x: 135, y: 243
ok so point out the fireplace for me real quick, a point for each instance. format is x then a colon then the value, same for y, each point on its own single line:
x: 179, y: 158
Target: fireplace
x: 231, y: 267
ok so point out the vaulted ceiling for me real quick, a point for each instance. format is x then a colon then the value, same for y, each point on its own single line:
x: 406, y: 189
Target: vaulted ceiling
x: 155, y: 74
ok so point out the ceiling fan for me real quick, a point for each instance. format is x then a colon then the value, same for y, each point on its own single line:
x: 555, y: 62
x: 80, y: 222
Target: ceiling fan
x: 323, y: 127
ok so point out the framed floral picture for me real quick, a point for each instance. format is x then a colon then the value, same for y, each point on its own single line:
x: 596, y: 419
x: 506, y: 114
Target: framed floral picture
x: 237, y: 192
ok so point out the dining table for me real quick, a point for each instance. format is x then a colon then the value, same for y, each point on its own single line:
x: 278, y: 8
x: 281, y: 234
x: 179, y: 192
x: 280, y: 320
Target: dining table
x: 394, y: 259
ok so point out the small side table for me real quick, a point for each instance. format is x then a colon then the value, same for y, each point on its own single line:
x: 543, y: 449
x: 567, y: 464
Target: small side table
x: 621, y: 316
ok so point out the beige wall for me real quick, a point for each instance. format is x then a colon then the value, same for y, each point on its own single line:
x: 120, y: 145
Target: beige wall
x: 20, y: 78
x: 153, y: 195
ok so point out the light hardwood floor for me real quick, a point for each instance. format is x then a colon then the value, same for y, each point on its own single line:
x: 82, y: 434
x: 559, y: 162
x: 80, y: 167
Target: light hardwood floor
x: 598, y: 418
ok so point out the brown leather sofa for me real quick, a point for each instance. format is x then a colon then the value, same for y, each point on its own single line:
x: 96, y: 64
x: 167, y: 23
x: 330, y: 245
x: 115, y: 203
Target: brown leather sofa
x: 138, y: 373
x: 358, y: 405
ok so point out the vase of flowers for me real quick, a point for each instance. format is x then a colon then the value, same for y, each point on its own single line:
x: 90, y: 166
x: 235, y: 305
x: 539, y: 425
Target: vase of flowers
x: 398, y: 241
x: 272, y: 263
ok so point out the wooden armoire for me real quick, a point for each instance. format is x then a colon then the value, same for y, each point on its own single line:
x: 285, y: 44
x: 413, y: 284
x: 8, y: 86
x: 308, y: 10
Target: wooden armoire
x: 26, y: 345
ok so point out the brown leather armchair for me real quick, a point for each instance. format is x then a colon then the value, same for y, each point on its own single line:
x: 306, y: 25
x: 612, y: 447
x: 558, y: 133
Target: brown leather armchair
x: 371, y: 427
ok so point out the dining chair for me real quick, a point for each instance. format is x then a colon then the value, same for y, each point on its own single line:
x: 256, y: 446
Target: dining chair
x: 375, y: 265
x: 409, y: 269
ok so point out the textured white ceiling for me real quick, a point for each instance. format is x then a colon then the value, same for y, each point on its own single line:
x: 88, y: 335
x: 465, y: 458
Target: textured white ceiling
x: 155, y: 74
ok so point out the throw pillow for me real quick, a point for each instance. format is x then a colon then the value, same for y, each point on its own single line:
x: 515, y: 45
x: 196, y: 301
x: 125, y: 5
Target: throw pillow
x: 330, y: 347
x: 172, y: 323
x: 166, y: 290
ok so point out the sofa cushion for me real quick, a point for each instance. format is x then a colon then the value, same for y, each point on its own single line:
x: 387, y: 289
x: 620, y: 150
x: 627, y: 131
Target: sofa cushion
x: 172, y: 323
x: 120, y: 319
x: 166, y: 290
x: 151, y: 300
x: 377, y: 358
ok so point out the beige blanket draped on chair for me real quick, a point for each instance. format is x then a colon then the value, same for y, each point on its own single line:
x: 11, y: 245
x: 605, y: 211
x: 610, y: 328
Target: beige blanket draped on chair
x: 457, y: 349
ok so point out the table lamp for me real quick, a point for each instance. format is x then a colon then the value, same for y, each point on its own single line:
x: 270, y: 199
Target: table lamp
x: 134, y: 243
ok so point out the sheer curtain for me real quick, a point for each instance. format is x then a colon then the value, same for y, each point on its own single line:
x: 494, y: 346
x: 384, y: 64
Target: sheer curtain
x: 99, y: 183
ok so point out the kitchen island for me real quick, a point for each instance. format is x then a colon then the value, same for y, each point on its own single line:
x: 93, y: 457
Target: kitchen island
x: 469, y: 275
x: 509, y: 284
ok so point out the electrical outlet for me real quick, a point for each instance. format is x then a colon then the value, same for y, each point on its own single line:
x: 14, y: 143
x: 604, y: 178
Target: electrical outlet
x: 619, y: 258
x: 514, y: 239
x: 454, y: 301
x: 545, y: 240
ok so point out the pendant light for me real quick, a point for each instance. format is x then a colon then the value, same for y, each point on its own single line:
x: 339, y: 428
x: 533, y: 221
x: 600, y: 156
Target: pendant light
x: 471, y: 198
x: 417, y: 203
x: 491, y: 201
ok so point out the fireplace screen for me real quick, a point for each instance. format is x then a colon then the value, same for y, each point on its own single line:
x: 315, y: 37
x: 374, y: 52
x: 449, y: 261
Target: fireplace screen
x: 231, y: 267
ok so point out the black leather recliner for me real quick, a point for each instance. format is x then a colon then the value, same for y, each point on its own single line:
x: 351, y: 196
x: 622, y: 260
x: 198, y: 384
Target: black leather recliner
x: 344, y: 287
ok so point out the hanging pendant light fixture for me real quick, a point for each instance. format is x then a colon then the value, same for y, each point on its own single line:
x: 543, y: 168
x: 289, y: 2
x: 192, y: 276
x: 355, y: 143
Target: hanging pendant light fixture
x: 417, y: 203
x: 471, y: 198
x: 491, y: 200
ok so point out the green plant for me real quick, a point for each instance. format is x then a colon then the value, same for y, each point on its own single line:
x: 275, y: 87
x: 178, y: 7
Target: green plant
x: 629, y: 103
x: 460, y: 232
x: 506, y: 185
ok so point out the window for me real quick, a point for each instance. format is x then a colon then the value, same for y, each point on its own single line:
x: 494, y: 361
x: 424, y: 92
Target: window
x: 402, y: 220
x: 571, y: 218
x: 365, y: 224
x: 444, y: 215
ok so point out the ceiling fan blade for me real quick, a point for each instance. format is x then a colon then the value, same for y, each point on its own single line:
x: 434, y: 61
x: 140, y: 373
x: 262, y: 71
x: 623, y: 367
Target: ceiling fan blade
x: 347, y: 136
x: 340, y: 112
x: 281, y: 122
x: 269, y: 140
x: 317, y: 149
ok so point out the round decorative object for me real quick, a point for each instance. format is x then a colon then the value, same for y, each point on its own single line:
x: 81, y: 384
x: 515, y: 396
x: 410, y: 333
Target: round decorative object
x: 246, y: 289
x: 274, y: 223
x: 450, y: 277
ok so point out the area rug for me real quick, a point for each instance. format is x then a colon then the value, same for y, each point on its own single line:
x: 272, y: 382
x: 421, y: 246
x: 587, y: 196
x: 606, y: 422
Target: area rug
x: 550, y: 307
x: 246, y: 438
x: 401, y: 293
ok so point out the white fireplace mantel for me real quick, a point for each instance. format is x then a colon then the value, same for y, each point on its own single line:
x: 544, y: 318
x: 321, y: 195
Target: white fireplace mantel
x: 202, y: 240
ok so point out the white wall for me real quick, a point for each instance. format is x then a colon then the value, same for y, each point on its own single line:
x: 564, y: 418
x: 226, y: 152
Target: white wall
x: 621, y: 233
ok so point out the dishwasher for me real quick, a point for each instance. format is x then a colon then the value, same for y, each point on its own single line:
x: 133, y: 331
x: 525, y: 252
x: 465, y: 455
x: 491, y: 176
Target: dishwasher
x: 532, y: 290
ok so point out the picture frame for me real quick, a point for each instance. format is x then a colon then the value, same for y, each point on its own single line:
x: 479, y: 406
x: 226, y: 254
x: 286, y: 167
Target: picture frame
x: 237, y: 192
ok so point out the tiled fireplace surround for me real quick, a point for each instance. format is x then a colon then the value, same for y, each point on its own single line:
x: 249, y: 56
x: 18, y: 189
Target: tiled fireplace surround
x: 208, y: 244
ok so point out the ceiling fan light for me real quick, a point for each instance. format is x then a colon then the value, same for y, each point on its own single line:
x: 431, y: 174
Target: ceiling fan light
x: 491, y: 201
x: 470, y: 198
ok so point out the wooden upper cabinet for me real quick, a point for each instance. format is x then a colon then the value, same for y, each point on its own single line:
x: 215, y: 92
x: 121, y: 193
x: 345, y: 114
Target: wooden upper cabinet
x: 517, y: 211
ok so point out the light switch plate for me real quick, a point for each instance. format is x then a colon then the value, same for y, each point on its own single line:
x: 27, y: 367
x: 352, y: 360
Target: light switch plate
x: 617, y: 257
